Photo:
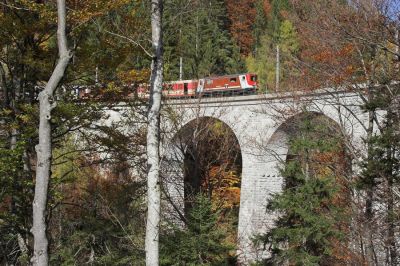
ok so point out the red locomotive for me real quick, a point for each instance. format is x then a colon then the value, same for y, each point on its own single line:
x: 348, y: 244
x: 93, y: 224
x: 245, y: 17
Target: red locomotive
x: 229, y: 84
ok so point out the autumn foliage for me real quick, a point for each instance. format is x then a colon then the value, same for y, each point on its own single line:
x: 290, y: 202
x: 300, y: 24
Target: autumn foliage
x: 241, y: 14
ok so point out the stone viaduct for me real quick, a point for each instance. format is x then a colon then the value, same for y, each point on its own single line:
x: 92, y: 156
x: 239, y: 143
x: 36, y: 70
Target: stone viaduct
x: 262, y: 126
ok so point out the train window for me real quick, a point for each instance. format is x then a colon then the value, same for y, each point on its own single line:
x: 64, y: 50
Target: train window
x: 253, y: 78
x: 209, y: 81
x: 232, y: 80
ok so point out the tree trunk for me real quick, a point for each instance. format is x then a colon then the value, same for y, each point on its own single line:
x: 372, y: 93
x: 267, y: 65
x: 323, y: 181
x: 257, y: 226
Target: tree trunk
x: 391, y: 217
x: 180, y: 68
x: 277, y: 68
x: 153, y: 138
x: 4, y: 89
x: 369, y: 245
x: 44, y: 150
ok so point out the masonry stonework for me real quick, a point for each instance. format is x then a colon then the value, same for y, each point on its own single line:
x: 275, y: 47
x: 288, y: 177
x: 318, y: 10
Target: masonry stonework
x: 261, y: 124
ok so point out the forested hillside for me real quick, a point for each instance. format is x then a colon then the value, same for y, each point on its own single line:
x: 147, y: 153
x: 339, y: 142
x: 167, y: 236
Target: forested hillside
x: 340, y: 204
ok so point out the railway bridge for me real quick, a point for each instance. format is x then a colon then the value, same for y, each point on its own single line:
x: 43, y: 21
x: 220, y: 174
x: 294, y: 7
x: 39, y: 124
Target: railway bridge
x: 262, y: 125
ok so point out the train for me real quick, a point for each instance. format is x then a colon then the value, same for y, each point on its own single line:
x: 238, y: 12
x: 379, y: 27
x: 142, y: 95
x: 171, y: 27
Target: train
x: 235, y: 84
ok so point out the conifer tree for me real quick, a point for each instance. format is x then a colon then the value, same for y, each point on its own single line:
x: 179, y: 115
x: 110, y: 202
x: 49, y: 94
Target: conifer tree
x: 262, y: 8
x: 312, y: 206
x: 197, y: 32
x: 277, y: 45
x: 381, y: 171
x: 201, y: 243
x: 356, y: 45
x: 264, y: 63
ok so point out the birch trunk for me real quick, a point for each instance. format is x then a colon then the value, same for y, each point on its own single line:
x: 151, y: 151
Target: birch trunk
x: 43, y: 150
x: 153, y: 138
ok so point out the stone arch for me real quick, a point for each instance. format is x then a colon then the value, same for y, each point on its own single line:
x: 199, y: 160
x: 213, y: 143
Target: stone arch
x: 276, y: 150
x: 263, y: 144
x: 180, y: 161
x: 278, y: 144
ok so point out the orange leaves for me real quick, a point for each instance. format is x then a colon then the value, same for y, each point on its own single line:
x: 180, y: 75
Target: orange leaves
x: 335, y: 63
x: 325, y: 157
x: 267, y: 7
x: 241, y: 15
x: 323, y: 56
x: 346, y: 50
x: 339, y: 40
x: 342, y: 255
x: 330, y: 55
x: 225, y: 186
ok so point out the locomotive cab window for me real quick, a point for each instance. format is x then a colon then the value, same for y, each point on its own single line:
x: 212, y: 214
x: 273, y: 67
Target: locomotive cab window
x: 253, y: 78
x: 209, y: 81
x: 232, y: 80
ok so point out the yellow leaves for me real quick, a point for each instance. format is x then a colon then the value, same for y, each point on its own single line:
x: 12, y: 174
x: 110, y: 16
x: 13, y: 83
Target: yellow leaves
x: 218, y: 128
x: 225, y: 187
x: 25, y: 118
x: 112, y: 88
x: 322, y: 162
x: 6, y: 112
x: 78, y: 11
x: 83, y: 11
x: 134, y: 76
x: 45, y: 11
x: 47, y: 44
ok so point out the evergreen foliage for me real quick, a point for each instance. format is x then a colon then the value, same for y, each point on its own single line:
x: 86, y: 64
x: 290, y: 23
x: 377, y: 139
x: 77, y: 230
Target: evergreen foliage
x: 28, y: 51
x: 380, y: 174
x: 100, y: 221
x: 15, y: 196
x: 262, y: 9
x: 201, y: 242
x: 197, y: 31
x: 311, y: 212
x: 264, y: 63
x: 278, y: 30
x: 97, y: 219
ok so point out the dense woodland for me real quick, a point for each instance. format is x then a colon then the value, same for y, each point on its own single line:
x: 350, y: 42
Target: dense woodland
x: 340, y: 204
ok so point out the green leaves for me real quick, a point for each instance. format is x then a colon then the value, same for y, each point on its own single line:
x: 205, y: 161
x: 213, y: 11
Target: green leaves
x: 264, y: 61
x: 201, y: 243
x: 312, y: 206
x: 288, y: 38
